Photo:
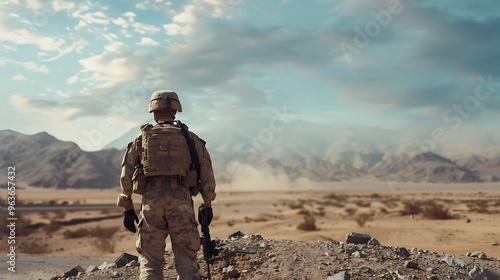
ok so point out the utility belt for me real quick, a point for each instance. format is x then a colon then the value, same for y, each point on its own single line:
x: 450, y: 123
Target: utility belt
x: 141, y: 183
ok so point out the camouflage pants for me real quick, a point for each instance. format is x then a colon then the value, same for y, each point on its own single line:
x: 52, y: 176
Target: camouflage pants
x: 167, y: 209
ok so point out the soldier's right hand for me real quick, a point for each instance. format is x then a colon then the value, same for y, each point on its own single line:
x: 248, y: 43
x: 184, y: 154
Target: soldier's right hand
x: 129, y: 217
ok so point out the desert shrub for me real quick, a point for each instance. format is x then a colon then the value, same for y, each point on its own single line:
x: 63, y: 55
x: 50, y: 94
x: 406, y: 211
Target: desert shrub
x: 375, y: 195
x: 331, y: 196
x: 261, y: 218
x: 478, y: 206
x: 351, y: 211
x: 106, y: 232
x: 33, y: 247
x: 296, y: 205
x: 362, y: 218
x: 304, y: 212
x: 434, y: 211
x: 60, y: 215
x: 52, y: 227
x: 309, y: 223
x: 78, y: 233
x: 390, y: 203
x: 411, y: 207
x: 362, y: 203
x: 383, y: 210
x: 22, y: 223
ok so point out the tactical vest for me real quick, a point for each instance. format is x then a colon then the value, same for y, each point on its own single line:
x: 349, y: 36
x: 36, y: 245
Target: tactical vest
x: 164, y: 151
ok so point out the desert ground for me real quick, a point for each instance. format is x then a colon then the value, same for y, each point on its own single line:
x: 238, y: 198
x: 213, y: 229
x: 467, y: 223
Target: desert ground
x: 57, y: 228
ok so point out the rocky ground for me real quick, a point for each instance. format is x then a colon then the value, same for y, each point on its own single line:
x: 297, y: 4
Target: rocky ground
x: 358, y: 257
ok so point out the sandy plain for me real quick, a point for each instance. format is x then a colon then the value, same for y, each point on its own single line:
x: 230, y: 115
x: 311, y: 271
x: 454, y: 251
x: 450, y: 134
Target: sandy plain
x: 86, y: 224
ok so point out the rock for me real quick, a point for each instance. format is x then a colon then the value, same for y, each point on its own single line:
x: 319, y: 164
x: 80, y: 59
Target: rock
x: 494, y: 244
x: 343, y: 275
x: 481, y: 273
x: 433, y: 277
x: 402, y: 251
x: 402, y: 277
x: 357, y: 254
x: 357, y: 238
x: 74, y: 271
x: 411, y: 264
x: 236, y: 235
x: 431, y: 270
x: 373, y: 242
x: 350, y: 248
x: 103, y: 266
x: 111, y: 265
x: 230, y: 272
x: 451, y: 261
x: 133, y: 264
x: 116, y: 274
x: 91, y: 268
x: 124, y: 259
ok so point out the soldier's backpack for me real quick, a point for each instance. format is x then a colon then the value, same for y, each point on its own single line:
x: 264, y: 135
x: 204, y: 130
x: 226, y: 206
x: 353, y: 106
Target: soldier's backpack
x: 164, y: 151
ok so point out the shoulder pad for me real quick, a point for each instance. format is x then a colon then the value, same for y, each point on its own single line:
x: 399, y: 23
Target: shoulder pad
x: 146, y: 125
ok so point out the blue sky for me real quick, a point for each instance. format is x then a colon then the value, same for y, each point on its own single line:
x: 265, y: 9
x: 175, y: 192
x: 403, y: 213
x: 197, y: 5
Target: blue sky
x: 84, y: 70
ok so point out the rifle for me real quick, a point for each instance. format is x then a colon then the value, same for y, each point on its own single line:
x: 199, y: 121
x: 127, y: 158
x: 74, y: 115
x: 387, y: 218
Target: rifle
x: 209, y: 248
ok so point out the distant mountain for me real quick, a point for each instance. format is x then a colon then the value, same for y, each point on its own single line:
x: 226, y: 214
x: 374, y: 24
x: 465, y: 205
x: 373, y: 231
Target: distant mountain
x: 41, y: 160
x: 425, y: 167
x: 301, y: 150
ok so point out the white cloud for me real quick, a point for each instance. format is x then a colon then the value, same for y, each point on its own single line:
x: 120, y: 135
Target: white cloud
x: 121, y: 22
x: 146, y: 41
x: 145, y: 28
x: 77, y: 46
x: 72, y: 80
x: 176, y: 29
x: 32, y: 66
x: 97, y: 18
x: 186, y: 16
x: 108, y: 70
x: 25, y: 36
x: 59, y: 5
x: 129, y: 15
x: 35, y: 4
x: 18, y: 77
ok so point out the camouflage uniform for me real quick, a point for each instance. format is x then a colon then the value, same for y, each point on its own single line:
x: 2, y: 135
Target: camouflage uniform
x: 167, y: 209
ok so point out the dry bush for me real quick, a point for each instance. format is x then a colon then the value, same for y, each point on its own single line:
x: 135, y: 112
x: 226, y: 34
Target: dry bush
x: 105, y: 232
x: 296, y: 205
x: 33, y: 247
x: 52, y: 227
x: 362, y: 218
x: 375, y: 196
x: 304, y: 212
x: 362, y: 203
x: 309, y: 224
x: 390, y: 203
x: 351, y: 211
x: 478, y: 206
x: 332, y: 203
x: 384, y: 211
x: 78, y: 233
x: 60, y: 215
x: 434, y: 211
x: 331, y: 196
x: 261, y: 218
x: 411, y: 208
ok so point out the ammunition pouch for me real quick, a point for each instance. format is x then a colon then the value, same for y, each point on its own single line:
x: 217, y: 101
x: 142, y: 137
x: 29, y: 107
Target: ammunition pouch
x: 190, y: 181
x: 138, y: 180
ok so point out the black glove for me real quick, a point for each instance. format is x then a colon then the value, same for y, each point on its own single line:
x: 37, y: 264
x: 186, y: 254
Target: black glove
x: 128, y: 220
x: 210, y: 215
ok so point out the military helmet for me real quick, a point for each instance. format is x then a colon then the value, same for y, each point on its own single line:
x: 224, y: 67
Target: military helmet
x: 164, y: 100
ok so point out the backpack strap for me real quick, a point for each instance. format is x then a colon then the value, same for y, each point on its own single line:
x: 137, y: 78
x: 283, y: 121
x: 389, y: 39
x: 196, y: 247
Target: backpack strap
x: 192, y: 151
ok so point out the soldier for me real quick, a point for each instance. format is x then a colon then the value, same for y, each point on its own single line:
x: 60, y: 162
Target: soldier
x: 159, y: 166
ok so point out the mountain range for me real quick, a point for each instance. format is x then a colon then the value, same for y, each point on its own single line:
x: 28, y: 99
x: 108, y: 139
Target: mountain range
x: 298, y: 151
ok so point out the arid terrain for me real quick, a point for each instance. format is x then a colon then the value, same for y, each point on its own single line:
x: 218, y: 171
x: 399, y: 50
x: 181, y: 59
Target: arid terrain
x: 57, y: 230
